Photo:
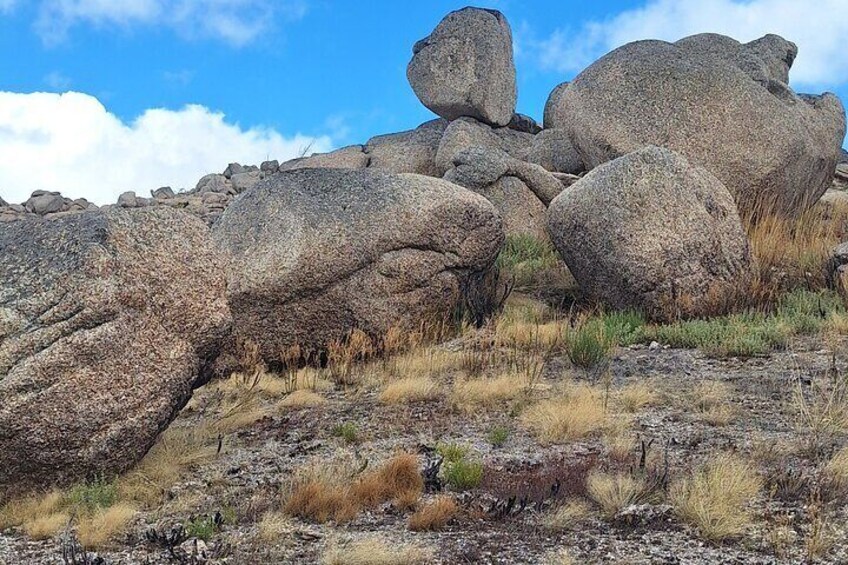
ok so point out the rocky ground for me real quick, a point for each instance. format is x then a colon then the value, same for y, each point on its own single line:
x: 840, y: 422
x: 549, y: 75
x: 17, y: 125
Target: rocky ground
x: 264, y: 442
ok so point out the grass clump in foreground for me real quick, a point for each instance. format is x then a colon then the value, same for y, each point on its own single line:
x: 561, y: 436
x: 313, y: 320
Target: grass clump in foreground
x: 376, y: 551
x: 716, y: 499
x: 93, y: 508
x: 321, y: 492
x: 435, y: 515
x: 576, y: 414
x: 614, y: 492
x: 461, y: 470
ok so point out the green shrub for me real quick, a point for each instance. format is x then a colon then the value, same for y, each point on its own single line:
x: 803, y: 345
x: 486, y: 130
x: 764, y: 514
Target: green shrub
x: 347, y: 431
x: 498, y: 436
x: 624, y: 327
x: 588, y: 345
x: 464, y: 474
x: 452, y: 452
x: 201, y: 527
x: 94, y: 495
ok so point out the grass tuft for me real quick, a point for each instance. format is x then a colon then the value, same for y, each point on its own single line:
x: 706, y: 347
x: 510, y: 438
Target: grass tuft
x: 435, y: 515
x: 716, y: 498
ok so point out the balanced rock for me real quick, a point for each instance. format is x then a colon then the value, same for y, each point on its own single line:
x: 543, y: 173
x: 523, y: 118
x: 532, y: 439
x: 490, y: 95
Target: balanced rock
x: 725, y: 107
x: 653, y: 232
x: 465, y: 67
x: 107, y: 322
x: 318, y: 253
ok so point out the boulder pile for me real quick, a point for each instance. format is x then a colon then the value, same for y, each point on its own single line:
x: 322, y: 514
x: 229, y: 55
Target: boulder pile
x: 642, y: 175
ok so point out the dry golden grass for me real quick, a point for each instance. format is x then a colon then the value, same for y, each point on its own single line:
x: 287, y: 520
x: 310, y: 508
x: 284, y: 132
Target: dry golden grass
x: 410, y: 389
x: 46, y: 526
x: 614, y: 492
x: 176, y: 451
x: 711, y: 400
x: 376, y: 551
x: 533, y: 336
x: 822, y: 411
x: 472, y: 394
x: 321, y: 492
x: 636, y: 396
x: 273, y: 526
x: 578, y: 413
x: 716, y: 499
x: 302, y: 399
x: 17, y: 512
x: 567, y: 516
x: 821, y: 534
x: 398, y: 477
x: 429, y: 362
x: 96, y: 530
x: 559, y: 557
x: 792, y: 253
x: 836, y: 470
x: 435, y: 515
x: 620, y: 446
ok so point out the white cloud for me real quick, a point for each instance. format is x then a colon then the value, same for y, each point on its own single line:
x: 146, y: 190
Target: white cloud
x: 71, y: 143
x: 819, y: 31
x: 237, y: 22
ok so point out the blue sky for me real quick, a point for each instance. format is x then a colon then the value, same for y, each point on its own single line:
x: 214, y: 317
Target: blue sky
x: 171, y: 89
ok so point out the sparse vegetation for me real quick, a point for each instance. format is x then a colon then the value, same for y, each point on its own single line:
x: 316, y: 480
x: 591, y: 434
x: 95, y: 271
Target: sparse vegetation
x: 376, y: 551
x: 614, y: 492
x: 463, y: 474
x: 410, y: 389
x: 321, y: 492
x: 346, y: 431
x: 576, y: 414
x: 567, y: 516
x: 498, y: 435
x: 716, y: 498
x: 434, y: 515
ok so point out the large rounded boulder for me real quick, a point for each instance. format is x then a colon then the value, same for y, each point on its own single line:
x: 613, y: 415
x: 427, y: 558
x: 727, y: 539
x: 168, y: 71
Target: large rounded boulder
x: 722, y: 104
x: 318, y: 253
x: 653, y: 232
x: 465, y: 67
x: 108, y: 320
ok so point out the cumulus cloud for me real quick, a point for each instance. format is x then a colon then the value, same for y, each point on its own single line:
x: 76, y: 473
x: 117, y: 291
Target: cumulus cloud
x: 819, y: 31
x: 237, y: 22
x: 71, y: 143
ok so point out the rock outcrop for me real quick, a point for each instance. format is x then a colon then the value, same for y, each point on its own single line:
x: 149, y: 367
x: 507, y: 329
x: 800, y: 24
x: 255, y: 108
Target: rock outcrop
x: 465, y: 67
x: 411, y: 151
x: 467, y: 132
x: 653, y: 232
x: 317, y: 253
x: 726, y: 108
x: 107, y: 322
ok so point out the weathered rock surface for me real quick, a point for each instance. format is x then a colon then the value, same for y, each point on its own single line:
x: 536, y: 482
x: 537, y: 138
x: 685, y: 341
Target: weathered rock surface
x: 351, y: 157
x: 726, y: 109
x: 552, y: 149
x: 653, y: 232
x: 317, y: 253
x: 467, y: 132
x: 411, y: 151
x: 465, y: 67
x: 107, y: 321
x: 524, y: 124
